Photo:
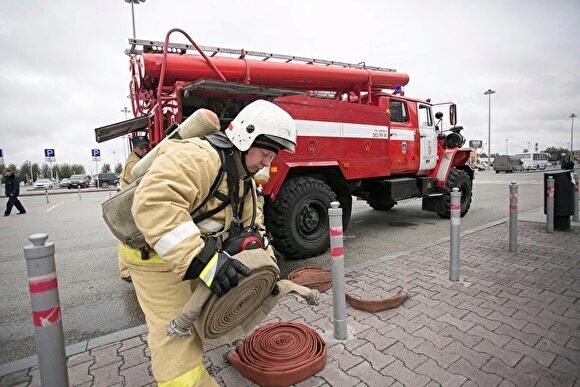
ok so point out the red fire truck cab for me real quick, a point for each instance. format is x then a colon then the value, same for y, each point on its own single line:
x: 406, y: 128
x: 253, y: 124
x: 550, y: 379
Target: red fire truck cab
x: 358, y: 135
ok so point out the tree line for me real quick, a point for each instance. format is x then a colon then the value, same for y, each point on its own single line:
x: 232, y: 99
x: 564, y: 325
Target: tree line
x: 30, y: 172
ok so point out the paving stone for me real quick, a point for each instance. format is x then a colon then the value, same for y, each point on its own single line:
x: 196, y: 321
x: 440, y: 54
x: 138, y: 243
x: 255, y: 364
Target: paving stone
x: 402, y: 374
x: 408, y: 326
x: 138, y: 375
x: 34, y: 375
x: 345, y: 359
x: 410, y: 359
x: 231, y: 377
x: 521, y: 315
x: 565, y: 366
x: 377, y: 359
x: 481, y: 378
x: 474, y: 308
x: 548, y: 345
x: 477, y: 359
x: 408, y: 340
x: 573, y: 343
x: 365, y: 372
x: 452, y: 310
x: 442, y: 358
x: 549, y: 315
x: 107, y: 375
x: 545, y: 358
x: 79, y: 373
x: 556, y: 337
x: 506, y: 383
x: 500, y: 317
x: 459, y: 324
x: 381, y: 342
x: 134, y: 356
x: 335, y: 376
x: 508, y: 357
x: 79, y: 358
x: 131, y: 343
x: 353, y: 342
x: 313, y: 381
x: 438, y: 340
x: 548, y: 377
x: 106, y: 355
x: 430, y: 311
x: 497, y: 339
x: 527, y: 338
x: 496, y: 366
x: 434, y: 325
x: 439, y: 375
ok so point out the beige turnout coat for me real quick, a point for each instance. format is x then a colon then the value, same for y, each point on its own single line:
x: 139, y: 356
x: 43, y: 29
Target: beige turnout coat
x: 178, y: 181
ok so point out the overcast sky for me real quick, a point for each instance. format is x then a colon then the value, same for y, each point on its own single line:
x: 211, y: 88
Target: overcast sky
x: 63, y: 71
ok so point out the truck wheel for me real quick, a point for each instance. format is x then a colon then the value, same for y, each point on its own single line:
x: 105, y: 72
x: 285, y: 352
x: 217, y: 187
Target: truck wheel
x: 460, y: 179
x: 298, y: 218
x: 104, y: 184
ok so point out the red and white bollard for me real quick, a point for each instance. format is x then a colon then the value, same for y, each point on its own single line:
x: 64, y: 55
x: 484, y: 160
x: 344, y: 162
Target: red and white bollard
x: 46, y: 313
x: 513, y: 219
x: 455, y: 231
x: 576, y: 198
x: 337, y: 253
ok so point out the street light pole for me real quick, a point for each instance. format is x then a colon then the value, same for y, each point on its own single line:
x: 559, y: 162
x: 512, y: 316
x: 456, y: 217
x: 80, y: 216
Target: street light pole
x: 572, y: 116
x: 133, y: 2
x: 506, y: 147
x: 489, y: 92
x: 126, y: 111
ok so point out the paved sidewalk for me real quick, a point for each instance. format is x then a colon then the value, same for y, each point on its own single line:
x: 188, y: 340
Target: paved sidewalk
x: 513, y: 319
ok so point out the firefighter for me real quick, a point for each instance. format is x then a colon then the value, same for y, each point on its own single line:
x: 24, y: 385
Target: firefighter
x: 185, y: 254
x: 140, y: 149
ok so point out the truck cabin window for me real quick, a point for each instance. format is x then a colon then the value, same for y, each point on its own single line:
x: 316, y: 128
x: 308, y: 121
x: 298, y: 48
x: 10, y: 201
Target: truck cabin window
x: 425, y: 117
x: 398, y: 111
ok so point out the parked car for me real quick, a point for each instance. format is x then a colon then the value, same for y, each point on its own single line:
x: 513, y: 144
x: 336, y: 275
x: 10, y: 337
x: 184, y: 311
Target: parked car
x: 64, y: 183
x: 79, y: 180
x: 43, y: 184
x: 106, y: 179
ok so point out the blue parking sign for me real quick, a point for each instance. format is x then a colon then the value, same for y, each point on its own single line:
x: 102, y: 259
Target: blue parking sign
x: 49, y: 153
x: 96, y: 152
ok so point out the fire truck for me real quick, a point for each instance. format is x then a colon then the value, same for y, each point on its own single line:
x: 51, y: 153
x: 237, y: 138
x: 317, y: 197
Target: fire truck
x: 358, y: 134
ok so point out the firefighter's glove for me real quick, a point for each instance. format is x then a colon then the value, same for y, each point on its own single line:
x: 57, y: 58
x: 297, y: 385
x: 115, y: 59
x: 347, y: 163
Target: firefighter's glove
x: 221, y: 273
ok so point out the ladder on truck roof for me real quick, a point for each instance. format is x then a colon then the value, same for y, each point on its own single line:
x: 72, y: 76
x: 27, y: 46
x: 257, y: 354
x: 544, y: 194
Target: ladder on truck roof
x: 150, y: 46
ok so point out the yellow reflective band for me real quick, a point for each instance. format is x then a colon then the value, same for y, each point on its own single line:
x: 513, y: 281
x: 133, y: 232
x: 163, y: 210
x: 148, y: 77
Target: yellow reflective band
x: 134, y: 255
x: 188, y: 379
x: 208, y: 271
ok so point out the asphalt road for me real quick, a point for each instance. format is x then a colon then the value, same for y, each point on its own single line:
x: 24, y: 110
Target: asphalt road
x: 96, y: 302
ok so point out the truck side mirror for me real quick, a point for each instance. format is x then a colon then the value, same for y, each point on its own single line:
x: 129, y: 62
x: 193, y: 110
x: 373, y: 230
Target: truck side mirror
x: 439, y: 115
x: 453, y: 114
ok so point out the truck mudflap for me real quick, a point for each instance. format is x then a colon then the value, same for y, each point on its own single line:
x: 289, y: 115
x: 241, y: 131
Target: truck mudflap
x: 451, y: 158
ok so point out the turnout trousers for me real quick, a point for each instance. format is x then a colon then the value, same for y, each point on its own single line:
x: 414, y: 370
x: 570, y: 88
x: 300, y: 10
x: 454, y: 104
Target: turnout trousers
x: 175, y: 361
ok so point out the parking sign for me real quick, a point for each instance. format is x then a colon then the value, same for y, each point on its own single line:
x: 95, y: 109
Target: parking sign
x: 96, y: 154
x: 49, y: 155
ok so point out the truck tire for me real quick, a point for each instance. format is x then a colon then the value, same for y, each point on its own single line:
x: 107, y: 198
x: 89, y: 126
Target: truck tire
x: 298, y: 218
x: 104, y: 184
x: 460, y: 179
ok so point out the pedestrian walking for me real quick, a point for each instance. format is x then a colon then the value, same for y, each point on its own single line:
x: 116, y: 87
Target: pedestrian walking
x: 12, y: 190
x: 193, y: 246
x: 140, y: 149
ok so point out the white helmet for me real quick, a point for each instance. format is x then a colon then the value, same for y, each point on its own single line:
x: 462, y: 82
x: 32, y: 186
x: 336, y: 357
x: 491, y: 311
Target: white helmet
x: 262, y: 118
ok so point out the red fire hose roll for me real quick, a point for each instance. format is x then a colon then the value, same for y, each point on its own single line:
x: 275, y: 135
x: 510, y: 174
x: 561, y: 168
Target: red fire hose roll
x: 279, y: 354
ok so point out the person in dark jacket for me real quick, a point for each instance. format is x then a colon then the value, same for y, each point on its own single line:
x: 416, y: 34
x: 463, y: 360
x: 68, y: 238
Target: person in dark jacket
x: 12, y: 190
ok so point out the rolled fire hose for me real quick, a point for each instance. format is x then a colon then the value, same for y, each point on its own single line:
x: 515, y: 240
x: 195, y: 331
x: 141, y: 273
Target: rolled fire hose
x: 201, y: 123
x: 279, y: 354
x: 221, y: 320
x: 321, y: 279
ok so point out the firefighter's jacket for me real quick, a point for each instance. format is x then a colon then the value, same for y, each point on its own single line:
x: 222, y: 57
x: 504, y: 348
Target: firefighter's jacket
x: 126, y: 177
x: 178, y: 180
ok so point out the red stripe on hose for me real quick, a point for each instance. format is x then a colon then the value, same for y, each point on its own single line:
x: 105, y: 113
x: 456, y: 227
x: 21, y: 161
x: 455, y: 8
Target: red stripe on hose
x: 46, y: 317
x: 40, y: 285
x: 335, y: 231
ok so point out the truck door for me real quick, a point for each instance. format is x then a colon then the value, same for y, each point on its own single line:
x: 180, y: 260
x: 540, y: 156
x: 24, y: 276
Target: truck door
x: 428, y: 142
